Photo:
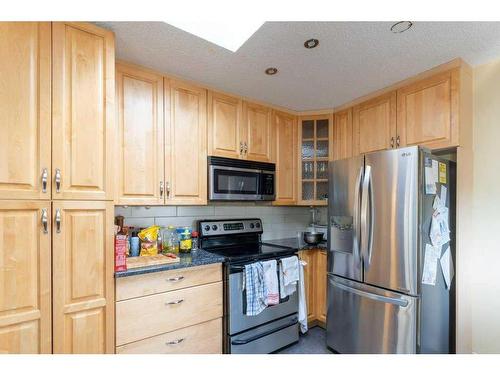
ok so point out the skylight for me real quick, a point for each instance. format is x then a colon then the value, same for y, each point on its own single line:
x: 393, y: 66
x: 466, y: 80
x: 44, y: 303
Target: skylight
x: 229, y: 34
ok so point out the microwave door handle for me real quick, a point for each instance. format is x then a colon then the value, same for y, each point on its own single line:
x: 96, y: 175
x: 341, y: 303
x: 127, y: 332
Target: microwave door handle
x: 365, y: 220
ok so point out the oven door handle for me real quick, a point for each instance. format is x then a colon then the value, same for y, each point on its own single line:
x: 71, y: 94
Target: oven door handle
x: 260, y: 335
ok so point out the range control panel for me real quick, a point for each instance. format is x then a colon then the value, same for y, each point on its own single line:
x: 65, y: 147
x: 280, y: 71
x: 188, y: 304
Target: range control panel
x: 227, y: 227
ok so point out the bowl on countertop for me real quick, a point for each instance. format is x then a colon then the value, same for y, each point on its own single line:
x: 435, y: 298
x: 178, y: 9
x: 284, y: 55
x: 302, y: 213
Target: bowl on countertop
x: 313, y: 238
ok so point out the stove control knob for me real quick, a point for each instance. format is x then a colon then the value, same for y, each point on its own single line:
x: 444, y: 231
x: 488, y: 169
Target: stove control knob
x: 251, y: 225
x: 207, y: 228
x: 214, y: 227
x: 257, y: 224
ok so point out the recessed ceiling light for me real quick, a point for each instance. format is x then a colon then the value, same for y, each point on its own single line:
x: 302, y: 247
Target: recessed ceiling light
x: 271, y: 71
x: 401, y: 26
x: 311, y: 43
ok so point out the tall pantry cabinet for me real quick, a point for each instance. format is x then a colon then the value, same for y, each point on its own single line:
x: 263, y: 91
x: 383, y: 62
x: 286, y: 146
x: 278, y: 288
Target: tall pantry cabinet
x: 56, y: 210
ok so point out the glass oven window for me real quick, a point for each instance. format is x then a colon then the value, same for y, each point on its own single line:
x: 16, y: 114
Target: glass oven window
x: 236, y: 182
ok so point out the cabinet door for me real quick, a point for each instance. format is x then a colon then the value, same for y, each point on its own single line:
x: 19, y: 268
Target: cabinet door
x: 25, y: 114
x: 25, y: 274
x: 309, y: 280
x: 374, y: 124
x: 83, y: 111
x: 83, y: 268
x: 342, y: 135
x: 320, y: 285
x: 186, y: 145
x: 285, y: 129
x: 140, y: 137
x: 257, y: 134
x: 428, y: 112
x: 224, y: 125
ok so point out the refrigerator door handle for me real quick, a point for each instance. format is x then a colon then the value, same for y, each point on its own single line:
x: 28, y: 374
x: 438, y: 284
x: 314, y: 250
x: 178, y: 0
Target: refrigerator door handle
x: 356, y: 219
x: 366, y: 218
x: 375, y: 297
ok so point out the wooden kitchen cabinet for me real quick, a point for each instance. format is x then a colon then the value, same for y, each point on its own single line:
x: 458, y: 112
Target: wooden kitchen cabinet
x: 320, y: 285
x: 343, y: 135
x: 374, y: 124
x: 428, y: 112
x: 83, y: 111
x: 315, y: 140
x: 140, y: 152
x: 224, y: 125
x: 309, y: 280
x: 185, y: 143
x: 257, y: 134
x: 285, y: 134
x: 25, y: 274
x: 83, y: 277
x: 25, y: 117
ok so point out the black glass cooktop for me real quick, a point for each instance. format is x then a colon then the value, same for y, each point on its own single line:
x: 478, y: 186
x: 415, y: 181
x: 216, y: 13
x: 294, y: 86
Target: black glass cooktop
x: 245, y: 252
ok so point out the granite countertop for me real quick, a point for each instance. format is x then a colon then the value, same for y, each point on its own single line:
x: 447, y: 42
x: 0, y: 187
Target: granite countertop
x: 193, y: 259
x: 293, y: 243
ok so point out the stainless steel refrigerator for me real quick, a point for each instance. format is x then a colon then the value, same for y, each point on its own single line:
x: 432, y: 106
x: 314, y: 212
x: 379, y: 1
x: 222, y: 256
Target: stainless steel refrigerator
x: 379, y: 223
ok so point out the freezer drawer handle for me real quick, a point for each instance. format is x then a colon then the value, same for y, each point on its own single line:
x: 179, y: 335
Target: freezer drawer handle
x: 260, y: 335
x: 376, y: 297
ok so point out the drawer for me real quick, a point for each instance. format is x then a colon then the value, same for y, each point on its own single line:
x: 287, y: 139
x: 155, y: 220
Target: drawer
x: 204, y: 338
x: 143, y: 317
x: 159, y: 282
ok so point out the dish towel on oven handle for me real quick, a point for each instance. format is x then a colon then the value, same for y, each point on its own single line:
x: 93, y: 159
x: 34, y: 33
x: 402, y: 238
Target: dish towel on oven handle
x: 255, y: 285
x: 289, y: 275
x: 302, y: 298
x: 271, y: 279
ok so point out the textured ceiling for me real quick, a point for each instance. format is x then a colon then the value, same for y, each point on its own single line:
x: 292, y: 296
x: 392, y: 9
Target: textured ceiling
x: 352, y: 59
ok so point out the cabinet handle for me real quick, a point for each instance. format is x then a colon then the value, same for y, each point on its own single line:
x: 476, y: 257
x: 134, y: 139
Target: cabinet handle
x: 241, y: 148
x: 168, y: 189
x: 392, y: 142
x: 58, y: 180
x: 246, y: 149
x: 58, y: 220
x: 175, y: 342
x: 174, y: 302
x: 397, y: 141
x: 161, y: 188
x: 45, y: 221
x: 174, y: 279
x: 45, y: 176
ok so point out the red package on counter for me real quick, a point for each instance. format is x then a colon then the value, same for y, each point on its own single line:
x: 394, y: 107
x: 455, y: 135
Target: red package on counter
x: 120, y: 252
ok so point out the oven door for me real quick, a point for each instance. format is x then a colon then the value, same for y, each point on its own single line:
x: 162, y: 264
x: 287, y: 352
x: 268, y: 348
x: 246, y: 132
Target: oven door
x: 238, y: 321
x: 231, y: 183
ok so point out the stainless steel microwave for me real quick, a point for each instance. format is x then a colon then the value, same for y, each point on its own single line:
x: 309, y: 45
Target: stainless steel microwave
x: 240, y: 180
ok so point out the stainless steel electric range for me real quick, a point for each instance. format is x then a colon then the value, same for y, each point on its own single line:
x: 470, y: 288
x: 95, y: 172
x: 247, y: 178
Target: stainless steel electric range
x: 239, y: 241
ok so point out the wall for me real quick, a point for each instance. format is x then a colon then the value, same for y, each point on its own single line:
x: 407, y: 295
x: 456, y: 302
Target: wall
x: 484, y: 272
x: 278, y: 222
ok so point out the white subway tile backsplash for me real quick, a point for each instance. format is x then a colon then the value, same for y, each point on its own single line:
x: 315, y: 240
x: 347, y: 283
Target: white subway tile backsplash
x: 278, y: 221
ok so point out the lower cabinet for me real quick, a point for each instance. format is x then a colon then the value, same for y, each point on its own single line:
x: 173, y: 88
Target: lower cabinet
x: 25, y: 274
x: 82, y: 276
x: 177, y: 311
x: 315, y: 285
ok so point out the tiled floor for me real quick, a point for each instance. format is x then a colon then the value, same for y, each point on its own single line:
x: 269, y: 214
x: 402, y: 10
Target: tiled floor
x: 313, y: 342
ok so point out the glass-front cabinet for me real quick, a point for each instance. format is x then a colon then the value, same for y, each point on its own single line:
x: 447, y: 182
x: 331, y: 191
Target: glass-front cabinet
x: 315, y: 150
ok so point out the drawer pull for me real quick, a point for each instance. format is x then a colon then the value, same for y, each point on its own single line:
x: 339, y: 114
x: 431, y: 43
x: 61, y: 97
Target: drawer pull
x: 174, y: 302
x: 175, y: 342
x: 178, y: 278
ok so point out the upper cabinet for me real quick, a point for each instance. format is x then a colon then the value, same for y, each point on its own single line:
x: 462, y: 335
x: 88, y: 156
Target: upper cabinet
x: 285, y: 129
x: 343, y: 135
x: 315, y: 140
x: 427, y: 112
x: 186, y: 143
x: 374, y: 124
x: 83, y: 111
x: 224, y: 125
x: 256, y: 133
x: 140, y: 142
x: 25, y: 116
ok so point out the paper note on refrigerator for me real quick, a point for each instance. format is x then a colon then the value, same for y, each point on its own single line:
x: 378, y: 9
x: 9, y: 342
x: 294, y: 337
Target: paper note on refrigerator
x: 432, y: 254
x: 442, y: 195
x: 446, y: 262
x: 430, y: 180
x: 435, y: 170
x: 439, y: 232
